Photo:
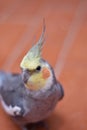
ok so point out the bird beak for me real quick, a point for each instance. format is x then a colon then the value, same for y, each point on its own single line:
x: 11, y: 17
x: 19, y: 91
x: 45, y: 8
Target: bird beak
x: 25, y: 75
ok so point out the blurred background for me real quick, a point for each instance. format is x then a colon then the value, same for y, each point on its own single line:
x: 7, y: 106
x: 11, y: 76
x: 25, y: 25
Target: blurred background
x: 21, y: 24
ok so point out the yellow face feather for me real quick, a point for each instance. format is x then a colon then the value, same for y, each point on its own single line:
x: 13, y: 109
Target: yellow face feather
x: 36, y: 81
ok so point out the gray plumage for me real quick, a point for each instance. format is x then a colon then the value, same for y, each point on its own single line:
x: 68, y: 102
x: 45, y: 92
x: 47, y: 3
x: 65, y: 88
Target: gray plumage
x: 35, y: 105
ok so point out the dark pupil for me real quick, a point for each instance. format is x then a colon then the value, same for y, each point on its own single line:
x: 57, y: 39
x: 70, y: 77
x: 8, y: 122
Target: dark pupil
x: 38, y: 68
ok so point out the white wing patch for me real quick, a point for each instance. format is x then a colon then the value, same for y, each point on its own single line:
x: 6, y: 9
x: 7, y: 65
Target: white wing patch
x: 13, y: 111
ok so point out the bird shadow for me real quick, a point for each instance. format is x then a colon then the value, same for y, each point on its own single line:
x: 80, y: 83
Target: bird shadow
x: 55, y: 121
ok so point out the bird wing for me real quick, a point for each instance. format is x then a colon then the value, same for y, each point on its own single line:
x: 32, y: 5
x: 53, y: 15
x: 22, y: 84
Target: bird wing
x: 12, y: 93
x: 60, y: 90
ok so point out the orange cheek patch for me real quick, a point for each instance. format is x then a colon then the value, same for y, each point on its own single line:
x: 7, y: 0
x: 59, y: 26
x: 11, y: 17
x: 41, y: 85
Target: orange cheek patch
x: 45, y: 73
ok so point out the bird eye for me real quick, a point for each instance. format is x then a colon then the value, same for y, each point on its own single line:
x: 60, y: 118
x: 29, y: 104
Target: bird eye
x: 38, y: 68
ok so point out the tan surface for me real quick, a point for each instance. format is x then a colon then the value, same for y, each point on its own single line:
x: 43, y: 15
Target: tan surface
x: 65, y: 49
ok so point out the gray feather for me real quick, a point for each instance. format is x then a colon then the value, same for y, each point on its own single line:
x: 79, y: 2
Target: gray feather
x: 35, y: 105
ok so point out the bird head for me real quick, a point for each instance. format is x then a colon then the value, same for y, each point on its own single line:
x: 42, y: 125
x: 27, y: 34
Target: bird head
x: 36, y: 72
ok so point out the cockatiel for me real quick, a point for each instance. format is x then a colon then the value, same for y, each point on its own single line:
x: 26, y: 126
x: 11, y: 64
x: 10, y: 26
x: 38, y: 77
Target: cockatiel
x: 31, y: 96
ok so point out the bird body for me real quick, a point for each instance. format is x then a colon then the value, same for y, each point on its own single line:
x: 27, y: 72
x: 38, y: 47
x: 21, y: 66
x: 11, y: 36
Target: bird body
x: 24, y: 105
x: 32, y: 95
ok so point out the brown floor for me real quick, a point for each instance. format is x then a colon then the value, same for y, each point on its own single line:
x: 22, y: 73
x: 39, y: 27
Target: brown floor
x: 65, y: 49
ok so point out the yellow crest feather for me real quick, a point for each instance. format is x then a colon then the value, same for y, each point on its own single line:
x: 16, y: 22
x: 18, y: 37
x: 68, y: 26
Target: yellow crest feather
x: 32, y: 58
